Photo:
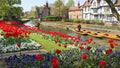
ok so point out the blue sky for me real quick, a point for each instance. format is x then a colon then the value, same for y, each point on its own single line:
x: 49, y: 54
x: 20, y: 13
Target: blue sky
x: 27, y: 4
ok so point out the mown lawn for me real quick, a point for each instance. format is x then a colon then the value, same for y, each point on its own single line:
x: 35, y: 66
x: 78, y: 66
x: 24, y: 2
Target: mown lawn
x: 46, y: 44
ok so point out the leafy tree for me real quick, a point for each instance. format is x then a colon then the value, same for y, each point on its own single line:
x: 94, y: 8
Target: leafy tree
x: 4, y: 8
x: 33, y: 12
x: 70, y: 3
x: 16, y: 11
x: 8, y: 8
x: 57, y: 8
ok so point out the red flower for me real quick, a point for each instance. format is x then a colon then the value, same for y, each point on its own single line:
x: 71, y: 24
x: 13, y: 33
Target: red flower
x: 59, y: 45
x: 84, y: 56
x: 54, y: 62
x: 58, y: 51
x: 71, y: 43
x: 55, y: 41
x: 102, y: 63
x: 89, y: 47
x: 108, y: 51
x: 19, y: 45
x: 111, y: 45
x: 65, y: 45
x: 116, y: 44
x: 111, y: 41
x: 82, y: 47
x: 76, y: 44
x: 38, y: 57
x: 94, y: 42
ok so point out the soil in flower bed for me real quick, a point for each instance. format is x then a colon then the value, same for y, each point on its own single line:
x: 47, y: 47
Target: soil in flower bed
x: 3, y: 63
x: 30, y: 52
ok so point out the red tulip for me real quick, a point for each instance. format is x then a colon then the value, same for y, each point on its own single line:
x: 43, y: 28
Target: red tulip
x: 111, y: 45
x: 111, y: 41
x: 82, y: 47
x: 58, y: 51
x: 55, y: 62
x: 108, y: 51
x: 59, y: 45
x: 102, y: 63
x: 38, y: 57
x: 89, y: 47
x: 19, y: 45
x: 76, y: 44
x: 65, y: 45
x: 84, y: 56
x: 55, y: 41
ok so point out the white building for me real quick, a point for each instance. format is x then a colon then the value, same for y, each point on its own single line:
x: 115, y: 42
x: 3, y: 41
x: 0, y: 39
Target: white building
x: 87, y: 10
x: 99, y: 9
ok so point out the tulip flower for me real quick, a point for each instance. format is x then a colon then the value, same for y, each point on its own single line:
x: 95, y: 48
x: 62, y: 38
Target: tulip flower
x: 19, y: 45
x: 58, y: 51
x: 102, y: 63
x: 82, y: 47
x: 84, y: 56
x: 38, y: 57
x: 55, y: 62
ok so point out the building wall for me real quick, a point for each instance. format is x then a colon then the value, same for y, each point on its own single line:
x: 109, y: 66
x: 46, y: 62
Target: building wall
x: 102, y: 11
x: 87, y: 13
x: 75, y: 14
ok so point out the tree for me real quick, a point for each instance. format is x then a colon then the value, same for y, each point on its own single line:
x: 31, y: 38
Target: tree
x: 70, y: 3
x: 33, y: 12
x: 4, y: 8
x: 8, y: 7
x: 114, y: 11
x: 16, y: 11
x: 57, y: 8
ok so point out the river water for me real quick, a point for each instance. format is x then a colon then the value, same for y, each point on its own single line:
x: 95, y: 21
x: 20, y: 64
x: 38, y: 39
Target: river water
x: 102, y: 41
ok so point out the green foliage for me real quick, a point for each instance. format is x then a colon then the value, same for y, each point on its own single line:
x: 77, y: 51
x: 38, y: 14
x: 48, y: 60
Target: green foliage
x: 8, y: 8
x: 53, y: 18
x: 77, y: 21
x: 57, y: 8
x: 16, y: 11
x: 70, y: 3
x: 68, y: 20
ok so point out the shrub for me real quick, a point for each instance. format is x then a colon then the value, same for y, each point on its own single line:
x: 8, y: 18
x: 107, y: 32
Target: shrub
x: 68, y: 20
x: 53, y: 18
x: 77, y: 21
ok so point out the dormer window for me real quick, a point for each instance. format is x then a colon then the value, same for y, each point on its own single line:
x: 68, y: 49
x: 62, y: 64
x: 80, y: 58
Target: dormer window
x: 94, y: 4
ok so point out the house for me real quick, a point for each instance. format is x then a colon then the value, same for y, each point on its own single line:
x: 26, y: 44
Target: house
x: 43, y: 11
x: 87, y: 10
x: 76, y: 12
x: 100, y: 10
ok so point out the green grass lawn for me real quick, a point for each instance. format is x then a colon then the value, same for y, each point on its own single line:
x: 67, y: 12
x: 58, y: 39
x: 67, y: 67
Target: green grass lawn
x: 46, y: 44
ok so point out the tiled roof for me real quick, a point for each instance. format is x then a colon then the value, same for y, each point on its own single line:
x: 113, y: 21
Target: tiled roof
x: 117, y: 2
x: 75, y: 8
x: 88, y: 3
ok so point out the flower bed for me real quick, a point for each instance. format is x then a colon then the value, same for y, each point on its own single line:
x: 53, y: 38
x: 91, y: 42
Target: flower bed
x: 84, y: 54
x: 11, y: 36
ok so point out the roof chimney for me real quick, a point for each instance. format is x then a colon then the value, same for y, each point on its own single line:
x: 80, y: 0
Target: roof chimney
x: 78, y: 4
x: 46, y: 3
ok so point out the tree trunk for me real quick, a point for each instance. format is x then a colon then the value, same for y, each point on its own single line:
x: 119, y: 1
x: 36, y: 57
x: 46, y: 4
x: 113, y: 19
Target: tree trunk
x: 114, y: 11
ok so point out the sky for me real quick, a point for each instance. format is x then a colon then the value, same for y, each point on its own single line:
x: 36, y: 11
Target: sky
x: 27, y: 4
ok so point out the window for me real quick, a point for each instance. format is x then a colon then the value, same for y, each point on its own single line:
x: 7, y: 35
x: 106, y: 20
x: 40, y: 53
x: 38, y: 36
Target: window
x: 118, y: 8
x: 95, y: 11
x: 94, y: 4
x: 95, y: 16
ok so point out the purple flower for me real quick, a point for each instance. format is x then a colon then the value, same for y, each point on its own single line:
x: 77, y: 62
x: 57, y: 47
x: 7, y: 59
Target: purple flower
x: 98, y: 50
